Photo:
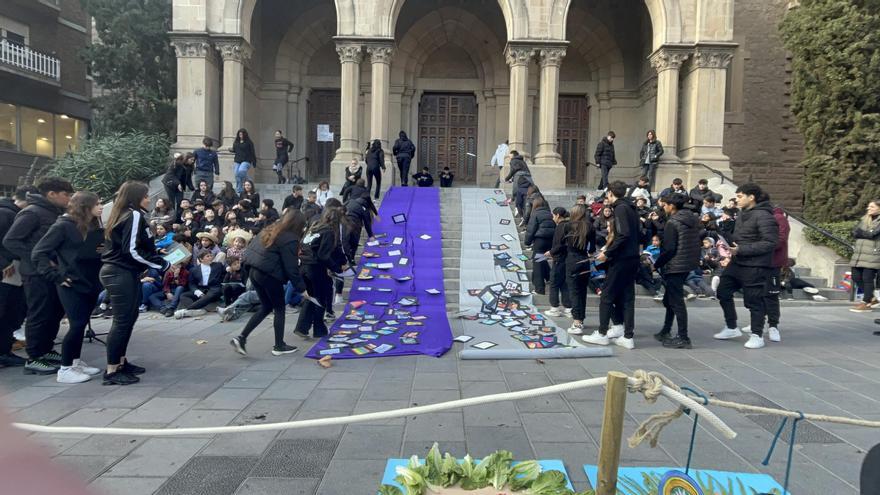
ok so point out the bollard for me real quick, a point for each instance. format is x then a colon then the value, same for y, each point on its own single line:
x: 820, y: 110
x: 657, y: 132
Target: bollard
x: 612, y: 433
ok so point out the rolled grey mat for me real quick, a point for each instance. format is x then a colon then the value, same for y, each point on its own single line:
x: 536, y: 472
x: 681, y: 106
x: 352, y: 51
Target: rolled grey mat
x: 558, y: 352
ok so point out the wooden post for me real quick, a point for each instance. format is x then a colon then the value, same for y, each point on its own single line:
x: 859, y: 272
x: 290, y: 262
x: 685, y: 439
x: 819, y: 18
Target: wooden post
x: 612, y: 433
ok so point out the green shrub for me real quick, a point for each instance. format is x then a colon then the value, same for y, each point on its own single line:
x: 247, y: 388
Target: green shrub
x: 842, y: 230
x: 102, y: 164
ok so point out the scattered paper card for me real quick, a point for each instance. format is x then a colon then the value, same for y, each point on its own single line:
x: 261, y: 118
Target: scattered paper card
x: 408, y: 301
x: 373, y: 244
x: 463, y: 338
x: 433, y: 292
x: 397, y: 241
x: 485, y: 245
x: 385, y: 266
x: 504, y: 221
x: 405, y: 278
x: 507, y: 237
x: 383, y: 348
x: 396, y: 252
x: 424, y: 237
x: 403, y: 261
x: 484, y: 345
x: 329, y: 352
x: 399, y: 218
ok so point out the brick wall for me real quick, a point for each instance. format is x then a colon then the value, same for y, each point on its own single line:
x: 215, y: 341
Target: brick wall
x: 766, y: 144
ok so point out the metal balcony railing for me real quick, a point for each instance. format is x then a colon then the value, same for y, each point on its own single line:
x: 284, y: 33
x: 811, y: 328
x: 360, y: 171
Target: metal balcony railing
x: 25, y: 58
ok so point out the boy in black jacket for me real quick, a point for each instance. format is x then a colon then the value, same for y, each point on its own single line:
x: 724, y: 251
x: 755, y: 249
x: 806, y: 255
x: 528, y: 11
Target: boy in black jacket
x: 424, y: 178
x: 446, y: 177
x: 44, y: 307
x: 12, y: 303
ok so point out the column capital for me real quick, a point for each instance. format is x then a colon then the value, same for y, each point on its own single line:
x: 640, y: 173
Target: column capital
x: 350, y: 52
x: 665, y: 58
x: 191, y: 47
x: 380, y: 54
x: 237, y: 50
x: 518, y: 55
x: 713, y: 57
x: 552, y: 56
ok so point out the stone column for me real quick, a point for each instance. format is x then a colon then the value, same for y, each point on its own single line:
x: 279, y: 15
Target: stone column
x: 235, y: 52
x: 380, y: 64
x: 548, y: 169
x: 518, y: 58
x: 198, y: 88
x: 350, y: 56
x: 703, y: 119
x: 667, y: 62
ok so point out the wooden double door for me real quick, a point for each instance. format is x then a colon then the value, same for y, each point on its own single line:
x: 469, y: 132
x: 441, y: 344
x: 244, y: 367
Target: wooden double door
x: 447, y: 133
x: 573, y: 130
x: 324, y: 114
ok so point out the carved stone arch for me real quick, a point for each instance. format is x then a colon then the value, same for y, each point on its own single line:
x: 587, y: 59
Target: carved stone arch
x: 595, y: 42
x: 309, y: 33
x: 515, y: 14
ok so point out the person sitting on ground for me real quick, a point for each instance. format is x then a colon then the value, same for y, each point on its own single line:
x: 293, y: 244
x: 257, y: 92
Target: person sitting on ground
x: 311, y: 208
x: 641, y: 190
x: 645, y: 276
x: 677, y: 187
x: 697, y: 284
x: 643, y: 209
x: 231, y: 222
x: 164, y: 238
x: 185, y: 206
x: 267, y: 216
x: 424, y: 178
x: 324, y: 193
x: 244, y: 209
x: 446, y: 177
x: 581, y: 200
x: 151, y: 282
x: 709, y: 255
x: 711, y: 206
x: 246, y: 302
x: 205, y: 286
x: 294, y: 199
x: 249, y: 192
x: 199, y: 212
x: 727, y: 222
x: 163, y: 213
x: 789, y: 281
x: 237, y: 241
x: 207, y: 242
x: 701, y: 192
x: 210, y: 220
x: 204, y: 193
x: 227, y: 196
x: 234, y: 280
x: 174, y: 283
x: 653, y: 249
x: 353, y: 173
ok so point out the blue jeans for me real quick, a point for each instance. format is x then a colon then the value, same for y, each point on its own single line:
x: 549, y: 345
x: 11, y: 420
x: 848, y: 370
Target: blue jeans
x: 147, y: 290
x: 241, y: 174
x: 158, y: 300
x: 291, y: 296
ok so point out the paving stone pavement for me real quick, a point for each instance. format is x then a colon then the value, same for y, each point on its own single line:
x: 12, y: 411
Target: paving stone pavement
x: 827, y: 363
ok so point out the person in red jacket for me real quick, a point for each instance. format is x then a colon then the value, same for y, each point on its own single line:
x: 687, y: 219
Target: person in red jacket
x: 174, y: 283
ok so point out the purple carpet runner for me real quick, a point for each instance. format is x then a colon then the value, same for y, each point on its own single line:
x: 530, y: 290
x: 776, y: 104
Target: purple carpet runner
x: 397, y: 304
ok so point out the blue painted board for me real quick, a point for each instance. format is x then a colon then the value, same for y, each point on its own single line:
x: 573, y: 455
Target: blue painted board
x: 761, y: 483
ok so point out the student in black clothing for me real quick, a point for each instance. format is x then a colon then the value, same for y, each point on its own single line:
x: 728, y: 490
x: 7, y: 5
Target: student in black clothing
x: 245, y: 158
x: 234, y: 281
x: 424, y: 178
x: 353, y: 173
x: 203, y: 193
x: 404, y: 150
x: 69, y: 256
x: 558, y: 286
x: 621, y: 256
x: 605, y: 158
x: 249, y: 192
x: 174, y: 181
x: 679, y: 255
x: 130, y: 250
x: 283, y: 148
x: 267, y: 216
x: 272, y: 261
x: 359, y: 211
x: 294, y: 200
x: 44, y: 311
x: 580, y: 243
x: 228, y: 196
x: 539, y: 235
x: 311, y: 208
x: 205, y: 286
x: 321, y: 253
x: 446, y: 177
x: 375, y: 166
x: 13, y: 307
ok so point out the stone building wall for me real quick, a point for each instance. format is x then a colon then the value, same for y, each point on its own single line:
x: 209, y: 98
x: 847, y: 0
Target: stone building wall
x: 760, y: 136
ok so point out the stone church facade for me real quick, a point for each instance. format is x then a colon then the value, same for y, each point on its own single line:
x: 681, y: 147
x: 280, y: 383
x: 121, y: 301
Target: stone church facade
x: 461, y: 76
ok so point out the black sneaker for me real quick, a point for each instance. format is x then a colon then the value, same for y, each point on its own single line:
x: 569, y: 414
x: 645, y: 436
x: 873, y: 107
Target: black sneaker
x: 280, y: 350
x: 677, y: 343
x: 51, y: 357
x: 662, y: 336
x: 39, y: 367
x: 11, y: 361
x: 119, y: 377
x: 238, y: 343
x: 132, y: 369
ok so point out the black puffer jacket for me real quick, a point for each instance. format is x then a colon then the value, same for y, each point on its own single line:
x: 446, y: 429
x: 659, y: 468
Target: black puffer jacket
x: 358, y: 210
x: 605, y: 153
x: 519, y: 173
x: 8, y: 210
x: 63, y: 254
x: 681, y: 244
x: 756, y: 234
x: 279, y: 261
x: 627, y: 230
x: 322, y: 246
x: 403, y: 147
x: 541, y: 225
x: 651, y: 150
x: 697, y: 195
x: 375, y: 160
x: 576, y: 257
x: 30, y: 225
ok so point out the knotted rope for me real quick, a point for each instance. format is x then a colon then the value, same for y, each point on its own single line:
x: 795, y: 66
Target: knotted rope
x: 650, y: 384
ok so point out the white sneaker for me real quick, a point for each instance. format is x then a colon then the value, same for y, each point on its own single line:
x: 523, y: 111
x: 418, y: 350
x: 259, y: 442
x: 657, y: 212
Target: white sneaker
x: 567, y: 312
x: 553, y: 312
x: 773, y: 335
x: 575, y: 330
x: 85, y: 368
x: 338, y: 299
x: 755, y: 342
x: 70, y: 374
x: 597, y: 338
x: 658, y: 297
x: 515, y: 211
x: 180, y: 314
x: 811, y: 290
x: 716, y: 281
x: 19, y: 335
x: 690, y: 297
x: 195, y: 312
x: 624, y: 342
x: 221, y: 311
x: 747, y: 329
x: 819, y: 298
x: 728, y: 333
x: 615, y: 331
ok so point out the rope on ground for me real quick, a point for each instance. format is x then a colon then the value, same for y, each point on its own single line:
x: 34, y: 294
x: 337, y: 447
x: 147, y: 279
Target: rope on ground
x: 747, y: 408
x: 651, y: 388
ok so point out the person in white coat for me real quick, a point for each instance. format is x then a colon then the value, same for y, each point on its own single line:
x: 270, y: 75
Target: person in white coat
x: 324, y: 193
x: 498, y: 159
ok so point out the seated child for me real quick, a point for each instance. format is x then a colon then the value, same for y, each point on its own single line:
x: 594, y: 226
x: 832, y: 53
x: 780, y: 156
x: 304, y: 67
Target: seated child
x: 446, y: 177
x: 424, y: 178
x: 174, y: 283
x: 205, y: 286
x: 234, y: 281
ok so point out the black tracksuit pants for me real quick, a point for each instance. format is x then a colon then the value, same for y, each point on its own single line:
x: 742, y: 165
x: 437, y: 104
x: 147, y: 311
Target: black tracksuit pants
x: 270, y: 290
x: 44, y: 314
x: 771, y: 298
x: 619, y: 294
x: 209, y: 296
x: 320, y: 286
x: 578, y: 279
x: 374, y: 174
x: 78, y: 306
x: 559, y: 285
x: 753, y: 282
x: 12, y: 312
x: 124, y: 288
x: 403, y: 167
x: 541, y: 269
x: 673, y: 300
x: 603, y: 182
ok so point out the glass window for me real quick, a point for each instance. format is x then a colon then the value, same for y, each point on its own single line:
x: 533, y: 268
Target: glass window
x: 37, y: 135
x: 7, y: 126
x: 69, y: 134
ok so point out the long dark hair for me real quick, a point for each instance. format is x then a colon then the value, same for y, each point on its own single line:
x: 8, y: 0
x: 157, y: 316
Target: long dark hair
x: 246, y: 138
x: 580, y: 226
x: 292, y: 221
x: 129, y: 197
x: 228, y: 191
x: 332, y: 218
x: 376, y: 146
x: 652, y: 133
x: 80, y: 210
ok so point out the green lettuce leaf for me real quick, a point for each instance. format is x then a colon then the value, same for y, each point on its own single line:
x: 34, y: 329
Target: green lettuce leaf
x: 549, y: 483
x: 389, y: 490
x: 523, y: 474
